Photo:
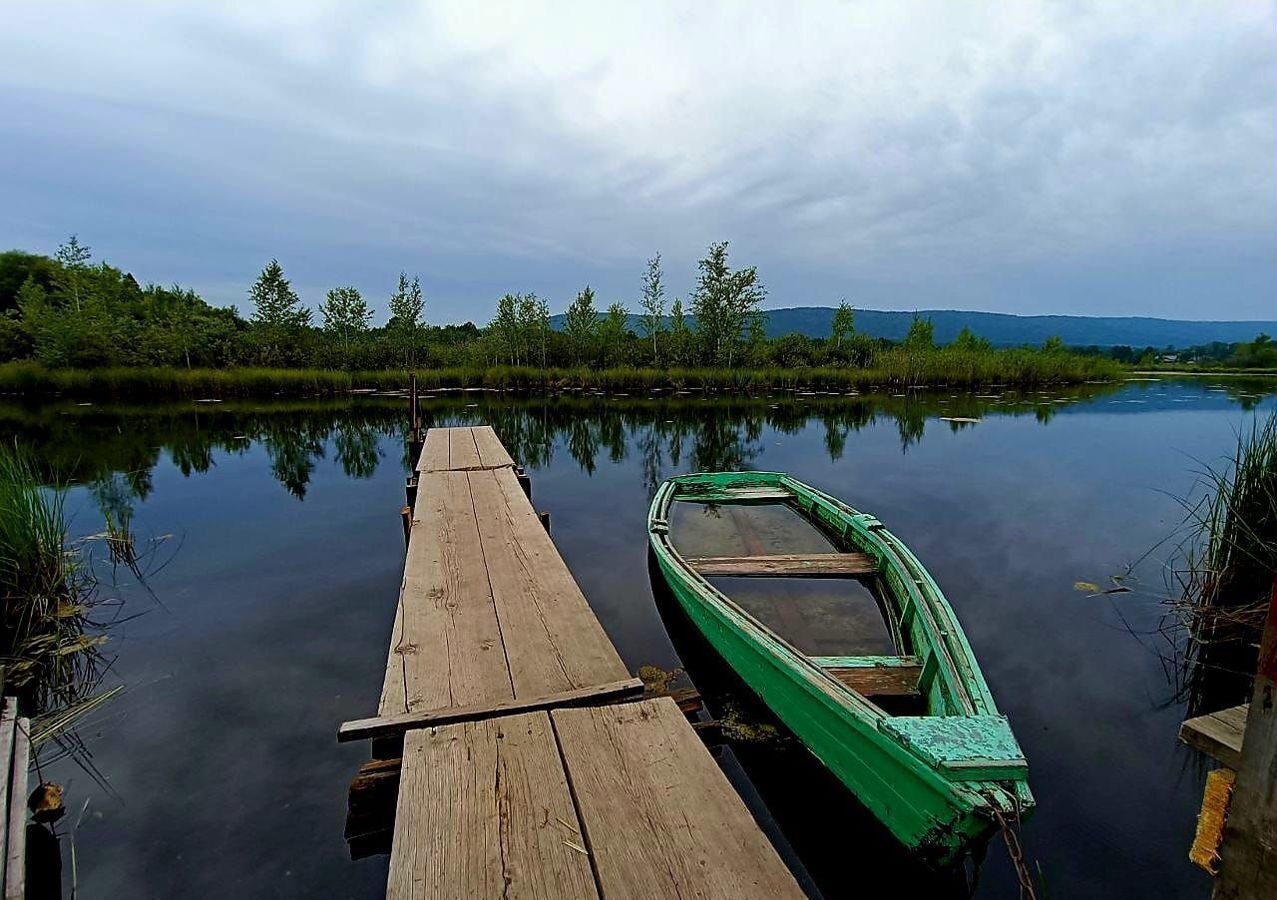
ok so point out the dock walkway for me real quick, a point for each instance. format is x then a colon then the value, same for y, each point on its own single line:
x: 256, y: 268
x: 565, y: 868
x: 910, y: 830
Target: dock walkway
x: 523, y: 774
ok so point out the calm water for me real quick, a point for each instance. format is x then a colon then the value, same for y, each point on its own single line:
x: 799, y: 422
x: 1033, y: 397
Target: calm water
x: 278, y: 552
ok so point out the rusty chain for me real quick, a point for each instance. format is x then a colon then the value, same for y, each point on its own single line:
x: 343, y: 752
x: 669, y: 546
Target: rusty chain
x: 1015, y: 850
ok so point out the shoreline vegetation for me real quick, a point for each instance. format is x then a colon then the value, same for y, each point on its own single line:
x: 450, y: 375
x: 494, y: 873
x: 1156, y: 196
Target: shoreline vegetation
x: 74, y: 327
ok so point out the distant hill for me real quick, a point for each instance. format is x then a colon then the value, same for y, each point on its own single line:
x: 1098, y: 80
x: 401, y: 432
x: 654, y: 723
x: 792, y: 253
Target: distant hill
x: 1004, y: 329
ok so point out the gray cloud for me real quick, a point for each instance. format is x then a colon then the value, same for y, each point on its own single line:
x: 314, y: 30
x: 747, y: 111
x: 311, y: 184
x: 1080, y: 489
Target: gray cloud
x: 1034, y: 157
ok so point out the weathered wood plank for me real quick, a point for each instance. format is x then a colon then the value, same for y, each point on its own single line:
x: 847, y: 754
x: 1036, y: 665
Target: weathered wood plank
x: 1218, y: 734
x: 450, y: 646
x: 800, y: 565
x: 879, y: 681
x: 484, y: 811
x: 15, y: 863
x: 463, y: 452
x: 553, y: 641
x: 434, y: 452
x: 660, y: 817
x: 8, y: 724
x: 394, y: 696
x: 382, y: 726
x: 492, y: 453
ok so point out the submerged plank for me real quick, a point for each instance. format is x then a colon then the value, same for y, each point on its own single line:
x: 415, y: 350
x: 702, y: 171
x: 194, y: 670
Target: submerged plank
x: 660, y: 817
x: 382, y: 726
x: 1218, y: 734
x: 801, y: 565
x: 484, y: 811
x: 879, y: 681
x: 553, y: 641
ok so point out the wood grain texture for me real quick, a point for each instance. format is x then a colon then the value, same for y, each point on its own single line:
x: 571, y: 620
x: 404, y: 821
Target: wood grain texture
x: 15, y: 864
x: 434, y: 451
x: 660, y: 817
x: 383, y: 726
x: 492, y: 453
x: 879, y: 681
x: 450, y: 645
x: 394, y: 698
x: 1218, y: 734
x: 800, y: 565
x: 553, y: 641
x: 484, y: 811
x: 8, y: 724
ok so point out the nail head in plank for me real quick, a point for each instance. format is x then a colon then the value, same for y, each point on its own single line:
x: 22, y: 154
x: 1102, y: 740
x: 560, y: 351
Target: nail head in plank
x: 382, y: 726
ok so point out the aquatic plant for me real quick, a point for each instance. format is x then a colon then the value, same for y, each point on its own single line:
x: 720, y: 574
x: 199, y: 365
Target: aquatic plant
x: 1227, y: 571
x: 49, y: 653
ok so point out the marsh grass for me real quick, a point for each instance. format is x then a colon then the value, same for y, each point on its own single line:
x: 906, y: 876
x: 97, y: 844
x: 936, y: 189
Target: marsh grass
x: 1228, y: 565
x: 899, y: 367
x: 50, y: 653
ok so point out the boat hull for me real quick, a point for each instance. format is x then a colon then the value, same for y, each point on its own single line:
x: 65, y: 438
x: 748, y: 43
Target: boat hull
x: 934, y: 816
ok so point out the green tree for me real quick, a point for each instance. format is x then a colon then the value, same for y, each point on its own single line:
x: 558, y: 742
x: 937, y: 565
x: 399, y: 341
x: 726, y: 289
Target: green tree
x: 613, y: 332
x: 346, y: 316
x: 581, y: 325
x: 74, y: 258
x: 922, y: 334
x: 504, y: 330
x: 653, y: 302
x: 844, y: 324
x: 534, y: 327
x: 1053, y: 344
x: 680, y: 335
x: 969, y: 341
x: 278, y: 316
x: 406, y: 309
x: 723, y: 302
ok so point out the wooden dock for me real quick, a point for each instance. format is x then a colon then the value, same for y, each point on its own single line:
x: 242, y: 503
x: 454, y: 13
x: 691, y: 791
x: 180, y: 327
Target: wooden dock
x: 530, y: 764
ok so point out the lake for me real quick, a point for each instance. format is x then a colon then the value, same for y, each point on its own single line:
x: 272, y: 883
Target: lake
x: 270, y: 539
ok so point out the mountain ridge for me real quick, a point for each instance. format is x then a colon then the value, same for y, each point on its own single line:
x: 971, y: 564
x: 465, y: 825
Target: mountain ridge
x: 1009, y: 329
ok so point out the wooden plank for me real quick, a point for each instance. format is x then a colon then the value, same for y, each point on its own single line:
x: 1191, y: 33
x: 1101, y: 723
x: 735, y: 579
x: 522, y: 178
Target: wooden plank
x: 382, y: 726
x: 553, y: 641
x: 1218, y: 735
x: 879, y: 681
x: 463, y: 452
x: 8, y: 725
x: 450, y: 645
x: 434, y: 452
x: 492, y: 453
x: 394, y: 697
x: 15, y: 864
x: 660, y: 818
x: 801, y: 565
x: 1248, y: 857
x: 484, y: 811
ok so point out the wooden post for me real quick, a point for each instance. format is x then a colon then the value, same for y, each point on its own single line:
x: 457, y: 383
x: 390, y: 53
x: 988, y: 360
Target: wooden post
x: 545, y: 520
x: 406, y: 513
x: 525, y: 481
x: 410, y: 491
x: 1248, y: 857
x: 413, y: 413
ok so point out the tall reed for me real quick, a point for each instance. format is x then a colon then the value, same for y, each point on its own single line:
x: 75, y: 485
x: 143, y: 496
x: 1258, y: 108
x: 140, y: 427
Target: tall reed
x: 46, y: 591
x: 1229, y: 565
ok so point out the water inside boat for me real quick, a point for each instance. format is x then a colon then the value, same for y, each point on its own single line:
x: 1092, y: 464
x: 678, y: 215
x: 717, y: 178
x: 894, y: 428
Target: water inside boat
x: 840, y: 621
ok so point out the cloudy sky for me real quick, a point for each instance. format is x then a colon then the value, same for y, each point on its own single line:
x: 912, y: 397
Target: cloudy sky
x: 1110, y: 158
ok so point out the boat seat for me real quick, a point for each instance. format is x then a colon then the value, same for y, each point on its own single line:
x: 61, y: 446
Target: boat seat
x: 875, y: 676
x: 802, y: 565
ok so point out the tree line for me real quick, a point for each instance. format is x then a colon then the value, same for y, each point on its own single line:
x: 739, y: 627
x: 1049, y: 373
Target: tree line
x: 66, y: 311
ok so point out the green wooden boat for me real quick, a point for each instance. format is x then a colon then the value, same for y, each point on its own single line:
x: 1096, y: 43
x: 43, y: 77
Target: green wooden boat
x: 914, y: 731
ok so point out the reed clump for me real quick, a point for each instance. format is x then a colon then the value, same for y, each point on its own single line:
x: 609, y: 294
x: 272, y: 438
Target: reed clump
x: 1229, y: 564
x: 49, y: 655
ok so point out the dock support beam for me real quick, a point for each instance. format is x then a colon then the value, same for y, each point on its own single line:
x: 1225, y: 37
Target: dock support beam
x: 414, y: 422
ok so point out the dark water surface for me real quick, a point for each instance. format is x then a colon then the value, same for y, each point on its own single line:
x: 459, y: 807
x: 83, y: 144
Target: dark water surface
x: 270, y: 620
